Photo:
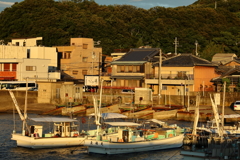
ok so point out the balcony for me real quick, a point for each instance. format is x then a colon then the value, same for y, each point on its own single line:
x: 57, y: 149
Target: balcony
x: 174, y: 79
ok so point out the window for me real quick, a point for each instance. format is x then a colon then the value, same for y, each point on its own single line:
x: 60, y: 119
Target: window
x: 182, y: 75
x: 17, y: 43
x: 57, y: 93
x: 14, y: 67
x: 122, y: 68
x: 77, y: 90
x: 6, y: 66
x: 85, y: 46
x: 85, y: 59
x: 30, y: 68
x: 75, y: 72
x: 84, y: 72
x: 28, y: 53
x: 130, y: 68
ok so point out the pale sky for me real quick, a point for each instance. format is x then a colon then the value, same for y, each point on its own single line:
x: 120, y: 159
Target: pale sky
x: 146, y: 4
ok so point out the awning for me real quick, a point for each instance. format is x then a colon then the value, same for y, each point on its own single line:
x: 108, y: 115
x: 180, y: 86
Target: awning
x: 7, y: 78
x: 128, y: 77
x: 123, y: 124
x: 53, y: 119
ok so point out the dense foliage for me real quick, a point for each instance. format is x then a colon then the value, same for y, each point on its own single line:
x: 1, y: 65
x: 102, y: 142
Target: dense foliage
x: 214, y: 27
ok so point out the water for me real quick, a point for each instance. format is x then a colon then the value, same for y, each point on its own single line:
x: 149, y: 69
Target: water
x: 9, y: 149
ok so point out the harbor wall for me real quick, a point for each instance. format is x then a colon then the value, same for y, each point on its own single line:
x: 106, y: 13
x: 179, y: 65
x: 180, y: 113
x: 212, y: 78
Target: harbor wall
x: 119, y: 98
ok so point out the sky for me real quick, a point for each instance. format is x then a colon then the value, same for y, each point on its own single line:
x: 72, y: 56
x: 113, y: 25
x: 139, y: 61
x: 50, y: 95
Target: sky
x: 146, y: 4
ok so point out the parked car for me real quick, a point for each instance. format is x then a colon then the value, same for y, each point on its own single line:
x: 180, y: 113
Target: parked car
x: 236, y: 105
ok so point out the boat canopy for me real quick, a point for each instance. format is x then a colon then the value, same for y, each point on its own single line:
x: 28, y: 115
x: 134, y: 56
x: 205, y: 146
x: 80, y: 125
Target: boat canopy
x: 110, y: 115
x: 231, y: 116
x: 53, y: 119
x: 156, y: 121
x: 123, y: 124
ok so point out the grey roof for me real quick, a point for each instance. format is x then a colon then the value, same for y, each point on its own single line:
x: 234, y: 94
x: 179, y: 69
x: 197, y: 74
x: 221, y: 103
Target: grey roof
x: 140, y: 54
x: 186, y: 60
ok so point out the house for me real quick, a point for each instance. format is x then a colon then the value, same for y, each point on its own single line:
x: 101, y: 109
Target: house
x: 131, y: 69
x: 24, y: 57
x: 182, y: 73
x: 222, y: 58
x: 32, y: 68
x: 233, y: 75
x: 233, y: 63
x: 80, y: 58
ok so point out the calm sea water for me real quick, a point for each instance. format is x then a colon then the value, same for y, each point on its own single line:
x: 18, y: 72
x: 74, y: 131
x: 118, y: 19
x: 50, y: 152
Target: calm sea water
x: 9, y: 149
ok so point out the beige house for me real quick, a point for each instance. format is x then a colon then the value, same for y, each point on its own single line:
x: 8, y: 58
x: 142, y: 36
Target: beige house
x: 80, y: 58
x: 24, y: 57
x: 222, y: 58
x: 30, y: 48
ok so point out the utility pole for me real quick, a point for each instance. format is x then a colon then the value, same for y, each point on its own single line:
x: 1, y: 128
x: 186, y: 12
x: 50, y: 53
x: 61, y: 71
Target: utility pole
x: 159, y: 75
x: 176, y: 43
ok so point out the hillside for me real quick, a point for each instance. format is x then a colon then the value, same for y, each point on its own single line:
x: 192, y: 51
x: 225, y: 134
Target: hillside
x: 124, y: 26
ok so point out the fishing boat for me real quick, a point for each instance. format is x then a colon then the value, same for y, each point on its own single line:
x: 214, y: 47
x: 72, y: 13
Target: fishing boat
x: 65, y: 133
x: 219, y: 142
x: 131, y: 137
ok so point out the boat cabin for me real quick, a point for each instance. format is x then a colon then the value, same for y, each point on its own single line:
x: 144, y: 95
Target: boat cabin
x: 63, y: 127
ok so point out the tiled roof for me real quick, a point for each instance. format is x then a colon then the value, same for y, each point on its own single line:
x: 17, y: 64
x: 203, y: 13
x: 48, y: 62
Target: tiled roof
x: 186, y: 60
x: 223, y: 57
x: 140, y: 54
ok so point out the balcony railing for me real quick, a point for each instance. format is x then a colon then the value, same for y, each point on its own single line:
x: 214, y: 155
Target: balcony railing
x: 170, y: 76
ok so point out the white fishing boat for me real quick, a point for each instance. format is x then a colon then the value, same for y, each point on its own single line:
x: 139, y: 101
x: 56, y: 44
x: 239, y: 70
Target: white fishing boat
x: 65, y: 133
x: 129, y: 138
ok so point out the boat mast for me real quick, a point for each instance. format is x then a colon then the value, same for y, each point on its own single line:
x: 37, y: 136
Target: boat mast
x: 216, y: 117
x: 25, y: 107
x: 223, y: 103
x: 196, y: 115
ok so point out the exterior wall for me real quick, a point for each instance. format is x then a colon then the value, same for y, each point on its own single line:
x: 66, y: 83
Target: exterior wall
x: 27, y: 41
x: 40, y: 69
x: 172, y: 72
x: 59, y: 92
x: 173, y: 82
x: 127, y: 82
x: 81, y: 58
x: 202, y: 77
x: 20, y: 52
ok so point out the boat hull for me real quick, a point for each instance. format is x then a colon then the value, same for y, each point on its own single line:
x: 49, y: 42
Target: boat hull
x: 50, y: 142
x: 130, y: 147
